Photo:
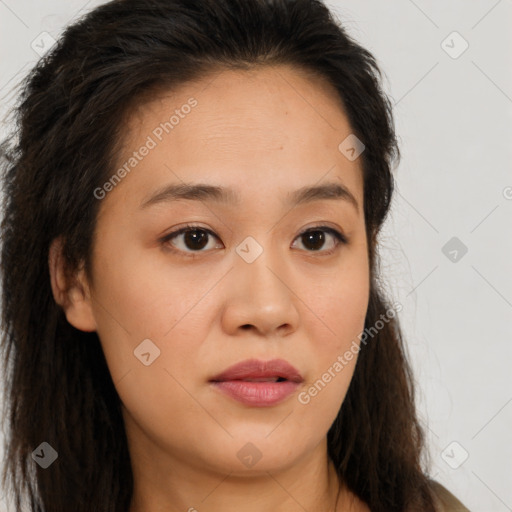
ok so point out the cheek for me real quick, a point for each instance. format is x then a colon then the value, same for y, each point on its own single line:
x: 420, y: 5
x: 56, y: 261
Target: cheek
x: 335, y: 325
x: 338, y: 307
x: 145, y: 294
x: 136, y: 301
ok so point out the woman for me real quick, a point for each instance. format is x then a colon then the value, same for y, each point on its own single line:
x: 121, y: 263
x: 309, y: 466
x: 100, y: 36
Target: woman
x: 191, y: 302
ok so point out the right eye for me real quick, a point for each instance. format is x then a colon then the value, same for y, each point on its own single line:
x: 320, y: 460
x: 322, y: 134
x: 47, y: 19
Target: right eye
x: 191, y: 239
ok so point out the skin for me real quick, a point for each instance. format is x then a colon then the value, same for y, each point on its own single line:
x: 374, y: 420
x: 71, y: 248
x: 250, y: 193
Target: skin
x: 265, y: 133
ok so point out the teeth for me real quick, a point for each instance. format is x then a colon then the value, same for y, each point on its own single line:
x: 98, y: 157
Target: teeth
x: 267, y: 379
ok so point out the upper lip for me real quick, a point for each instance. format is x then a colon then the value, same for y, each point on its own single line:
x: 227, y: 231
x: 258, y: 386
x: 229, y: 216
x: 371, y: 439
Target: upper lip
x: 256, y: 369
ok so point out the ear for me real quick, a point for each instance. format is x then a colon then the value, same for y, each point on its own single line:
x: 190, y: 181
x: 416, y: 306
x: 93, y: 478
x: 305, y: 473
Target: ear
x: 72, y: 293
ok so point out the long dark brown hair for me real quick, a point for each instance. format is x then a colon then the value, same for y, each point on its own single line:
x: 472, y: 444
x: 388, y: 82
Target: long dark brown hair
x: 69, y: 121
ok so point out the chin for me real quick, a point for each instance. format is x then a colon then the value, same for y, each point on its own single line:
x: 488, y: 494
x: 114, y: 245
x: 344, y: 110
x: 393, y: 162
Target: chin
x: 255, y: 454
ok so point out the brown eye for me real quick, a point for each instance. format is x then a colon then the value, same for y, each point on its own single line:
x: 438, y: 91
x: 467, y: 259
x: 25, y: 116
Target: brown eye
x: 195, y: 239
x: 314, y: 239
x: 189, y: 239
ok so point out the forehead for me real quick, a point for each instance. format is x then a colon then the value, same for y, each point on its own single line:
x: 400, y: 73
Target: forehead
x: 263, y: 130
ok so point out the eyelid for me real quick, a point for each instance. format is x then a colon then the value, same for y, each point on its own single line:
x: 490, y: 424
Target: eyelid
x: 336, y: 232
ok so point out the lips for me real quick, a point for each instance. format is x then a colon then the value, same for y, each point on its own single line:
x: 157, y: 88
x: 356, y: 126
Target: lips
x: 256, y: 370
x: 258, y: 383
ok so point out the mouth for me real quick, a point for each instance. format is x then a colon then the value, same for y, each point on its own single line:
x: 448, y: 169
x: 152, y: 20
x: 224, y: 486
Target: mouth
x: 263, y: 379
x: 258, y: 383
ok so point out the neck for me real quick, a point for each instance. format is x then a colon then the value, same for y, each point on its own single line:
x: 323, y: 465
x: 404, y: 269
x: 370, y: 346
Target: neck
x: 164, y: 484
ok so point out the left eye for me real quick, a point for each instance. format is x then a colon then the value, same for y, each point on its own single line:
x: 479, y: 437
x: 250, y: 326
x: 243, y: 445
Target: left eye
x: 316, y: 237
x: 196, y: 238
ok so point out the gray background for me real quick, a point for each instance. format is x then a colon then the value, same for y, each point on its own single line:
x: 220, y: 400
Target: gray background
x: 454, y: 119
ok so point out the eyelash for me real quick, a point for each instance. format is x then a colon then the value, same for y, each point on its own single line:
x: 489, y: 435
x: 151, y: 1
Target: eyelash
x: 340, y: 239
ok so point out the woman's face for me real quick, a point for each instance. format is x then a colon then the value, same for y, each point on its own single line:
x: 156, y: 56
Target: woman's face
x: 245, y: 285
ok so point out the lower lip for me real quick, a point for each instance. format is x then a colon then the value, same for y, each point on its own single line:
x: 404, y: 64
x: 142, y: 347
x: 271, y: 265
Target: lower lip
x: 257, y: 394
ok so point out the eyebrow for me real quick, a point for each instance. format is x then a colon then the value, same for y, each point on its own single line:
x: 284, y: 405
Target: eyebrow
x: 206, y: 192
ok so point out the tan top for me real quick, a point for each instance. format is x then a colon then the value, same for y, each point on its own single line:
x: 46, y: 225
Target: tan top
x: 445, y: 500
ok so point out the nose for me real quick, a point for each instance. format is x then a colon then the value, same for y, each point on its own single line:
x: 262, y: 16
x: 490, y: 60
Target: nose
x: 260, y: 298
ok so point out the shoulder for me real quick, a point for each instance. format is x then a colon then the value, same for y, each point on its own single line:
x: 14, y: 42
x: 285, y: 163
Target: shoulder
x: 445, y: 500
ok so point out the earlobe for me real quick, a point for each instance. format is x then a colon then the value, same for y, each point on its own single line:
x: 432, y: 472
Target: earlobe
x: 71, y: 293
